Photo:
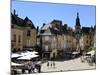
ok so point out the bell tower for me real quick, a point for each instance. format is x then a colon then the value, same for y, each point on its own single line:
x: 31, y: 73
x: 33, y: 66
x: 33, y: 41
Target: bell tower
x: 78, y: 32
x: 77, y: 25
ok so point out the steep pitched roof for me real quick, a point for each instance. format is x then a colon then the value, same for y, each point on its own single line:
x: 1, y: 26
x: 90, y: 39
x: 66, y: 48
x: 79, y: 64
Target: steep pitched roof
x: 21, y: 22
x: 16, y: 20
x: 47, y: 32
x: 46, y: 26
x: 56, y: 27
x: 56, y: 21
x: 28, y: 23
x: 55, y: 31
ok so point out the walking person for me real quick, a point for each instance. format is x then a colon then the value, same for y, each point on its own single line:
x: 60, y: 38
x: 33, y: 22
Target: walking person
x: 33, y: 66
x: 29, y: 67
x: 53, y: 64
x: 47, y: 64
x: 23, y: 70
x: 38, y: 67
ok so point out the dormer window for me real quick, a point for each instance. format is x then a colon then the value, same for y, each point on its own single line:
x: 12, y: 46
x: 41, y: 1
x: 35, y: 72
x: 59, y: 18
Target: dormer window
x: 29, y: 23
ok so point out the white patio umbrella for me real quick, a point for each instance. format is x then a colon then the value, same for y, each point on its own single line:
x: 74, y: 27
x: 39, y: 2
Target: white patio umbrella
x: 16, y: 64
x: 28, y: 57
x: 13, y: 55
x: 34, y: 52
x: 75, y: 52
x: 91, y: 52
x: 22, y: 54
x: 25, y: 53
x: 28, y: 53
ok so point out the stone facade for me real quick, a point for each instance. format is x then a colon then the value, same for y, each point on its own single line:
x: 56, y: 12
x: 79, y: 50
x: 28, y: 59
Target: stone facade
x: 87, y: 39
x: 52, y: 38
x: 57, y: 37
x: 23, y: 33
x: 17, y: 38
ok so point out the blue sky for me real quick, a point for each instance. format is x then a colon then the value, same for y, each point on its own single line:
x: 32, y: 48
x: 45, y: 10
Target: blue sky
x: 41, y: 13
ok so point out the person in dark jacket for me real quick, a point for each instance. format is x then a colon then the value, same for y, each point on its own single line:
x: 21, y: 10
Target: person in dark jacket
x: 39, y: 68
x: 47, y: 64
x: 53, y: 64
x: 23, y: 70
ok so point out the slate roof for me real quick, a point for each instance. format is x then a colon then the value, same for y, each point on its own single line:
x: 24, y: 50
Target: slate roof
x: 86, y: 29
x: 47, y: 32
x: 57, y: 29
x: 15, y: 20
x: 56, y: 21
x: 46, y: 26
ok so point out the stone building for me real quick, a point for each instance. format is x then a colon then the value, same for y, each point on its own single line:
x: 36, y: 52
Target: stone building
x: 87, y: 38
x: 23, y: 33
x: 57, y: 38
x: 16, y: 39
x: 84, y: 36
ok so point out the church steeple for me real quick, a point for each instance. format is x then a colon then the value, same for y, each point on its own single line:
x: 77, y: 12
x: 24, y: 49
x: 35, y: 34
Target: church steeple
x: 77, y: 20
x: 77, y: 25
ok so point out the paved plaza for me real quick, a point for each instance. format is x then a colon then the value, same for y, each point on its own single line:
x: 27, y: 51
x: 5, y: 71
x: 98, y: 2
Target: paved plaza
x: 75, y: 64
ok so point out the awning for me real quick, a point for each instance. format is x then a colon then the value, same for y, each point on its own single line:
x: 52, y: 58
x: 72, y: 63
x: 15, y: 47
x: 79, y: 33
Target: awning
x: 15, y: 55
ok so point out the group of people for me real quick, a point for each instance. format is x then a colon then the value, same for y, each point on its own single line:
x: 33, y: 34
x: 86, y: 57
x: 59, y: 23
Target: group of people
x: 90, y: 59
x: 27, y: 68
x: 32, y: 68
x: 51, y: 64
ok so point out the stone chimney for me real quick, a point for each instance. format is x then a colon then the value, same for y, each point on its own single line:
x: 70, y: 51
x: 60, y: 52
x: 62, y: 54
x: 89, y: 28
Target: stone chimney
x: 37, y: 28
x: 15, y: 13
x: 44, y: 24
